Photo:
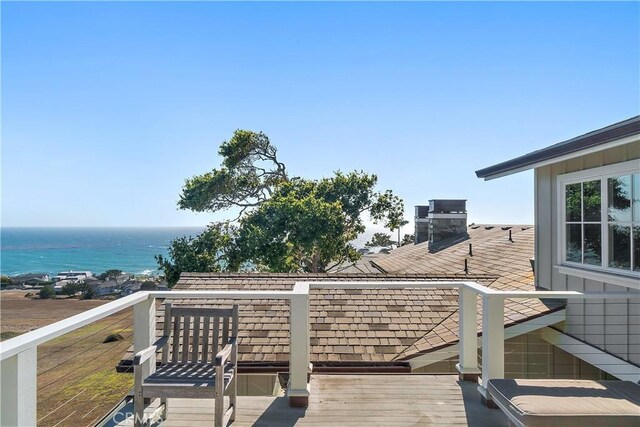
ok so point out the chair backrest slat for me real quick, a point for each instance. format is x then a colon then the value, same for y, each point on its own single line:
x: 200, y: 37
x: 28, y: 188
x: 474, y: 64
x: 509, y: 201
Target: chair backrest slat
x: 166, y: 330
x: 225, y: 330
x: 196, y: 332
x: 176, y: 339
x: 196, y: 339
x: 216, y: 332
x: 186, y: 330
x: 205, y: 339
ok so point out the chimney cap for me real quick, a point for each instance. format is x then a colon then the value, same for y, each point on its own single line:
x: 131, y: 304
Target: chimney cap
x: 448, y: 205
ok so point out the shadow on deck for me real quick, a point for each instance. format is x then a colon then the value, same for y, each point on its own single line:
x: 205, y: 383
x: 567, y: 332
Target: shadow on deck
x: 351, y: 400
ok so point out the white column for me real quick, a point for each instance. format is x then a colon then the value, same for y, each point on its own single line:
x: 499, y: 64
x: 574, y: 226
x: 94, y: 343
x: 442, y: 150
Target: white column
x: 144, y: 330
x: 299, y: 363
x: 492, y: 341
x: 18, y: 389
x: 468, y: 334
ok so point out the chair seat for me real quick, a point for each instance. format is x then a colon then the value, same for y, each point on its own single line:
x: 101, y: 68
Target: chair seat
x: 201, y: 374
x: 185, y: 380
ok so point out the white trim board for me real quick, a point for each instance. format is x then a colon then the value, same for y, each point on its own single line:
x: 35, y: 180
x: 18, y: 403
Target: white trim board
x: 592, y: 355
x: 600, y: 276
x: 509, y: 332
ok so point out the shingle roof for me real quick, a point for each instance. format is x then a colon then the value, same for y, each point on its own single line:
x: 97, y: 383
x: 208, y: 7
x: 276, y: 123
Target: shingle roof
x: 346, y: 325
x: 379, y: 325
x: 363, y: 265
x: 493, y: 254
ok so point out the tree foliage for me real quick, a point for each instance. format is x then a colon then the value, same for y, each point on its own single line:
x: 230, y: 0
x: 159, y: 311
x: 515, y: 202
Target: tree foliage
x: 71, y: 289
x: 110, y: 274
x: 213, y: 250
x: 286, y: 224
x: 408, y: 239
x: 380, y: 239
x: 249, y: 172
x: 5, y: 281
x: 47, y: 292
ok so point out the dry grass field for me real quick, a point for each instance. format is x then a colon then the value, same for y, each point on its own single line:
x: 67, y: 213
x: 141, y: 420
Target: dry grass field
x: 77, y: 381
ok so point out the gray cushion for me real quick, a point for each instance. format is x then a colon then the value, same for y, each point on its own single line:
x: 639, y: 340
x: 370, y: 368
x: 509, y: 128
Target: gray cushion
x: 569, y: 403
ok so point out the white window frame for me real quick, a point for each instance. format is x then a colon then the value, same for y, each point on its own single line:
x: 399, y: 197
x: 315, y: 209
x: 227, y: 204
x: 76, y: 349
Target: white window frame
x: 603, y: 273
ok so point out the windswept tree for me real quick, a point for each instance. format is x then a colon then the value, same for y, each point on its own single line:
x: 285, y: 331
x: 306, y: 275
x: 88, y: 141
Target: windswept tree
x: 380, y: 239
x: 285, y: 224
x: 248, y: 175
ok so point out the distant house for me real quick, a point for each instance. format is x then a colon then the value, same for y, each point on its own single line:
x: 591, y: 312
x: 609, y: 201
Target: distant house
x: 71, y: 276
x: 30, y: 279
x: 103, y: 288
x: 130, y: 286
x: 587, y: 237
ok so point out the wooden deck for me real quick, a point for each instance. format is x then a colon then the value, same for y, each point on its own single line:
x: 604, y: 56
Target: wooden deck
x: 352, y: 400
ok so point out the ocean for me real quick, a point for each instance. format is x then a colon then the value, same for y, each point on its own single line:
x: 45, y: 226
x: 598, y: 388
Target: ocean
x: 51, y: 250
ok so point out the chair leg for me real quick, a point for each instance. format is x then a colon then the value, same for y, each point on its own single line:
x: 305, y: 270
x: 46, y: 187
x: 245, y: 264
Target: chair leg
x: 165, y: 409
x: 219, y: 414
x: 138, y: 397
x: 233, y: 395
x: 138, y: 406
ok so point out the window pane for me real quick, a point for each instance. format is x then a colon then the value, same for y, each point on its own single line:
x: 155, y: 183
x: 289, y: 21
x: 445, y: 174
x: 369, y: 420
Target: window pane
x: 620, y: 247
x: 636, y: 197
x: 592, y: 244
x: 619, y: 198
x: 591, y: 200
x: 572, y: 193
x: 636, y: 248
x: 574, y: 242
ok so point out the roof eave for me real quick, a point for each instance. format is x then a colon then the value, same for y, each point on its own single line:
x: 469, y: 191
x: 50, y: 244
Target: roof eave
x: 611, y: 136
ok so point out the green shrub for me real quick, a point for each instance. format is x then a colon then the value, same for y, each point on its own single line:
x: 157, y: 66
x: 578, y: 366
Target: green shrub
x: 47, y: 292
x: 88, y: 293
x: 113, y: 338
x: 70, y: 289
x: 4, y: 281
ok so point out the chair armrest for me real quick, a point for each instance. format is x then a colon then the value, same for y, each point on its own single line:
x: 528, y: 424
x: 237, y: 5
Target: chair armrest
x: 161, y: 342
x: 143, y: 355
x: 224, y: 354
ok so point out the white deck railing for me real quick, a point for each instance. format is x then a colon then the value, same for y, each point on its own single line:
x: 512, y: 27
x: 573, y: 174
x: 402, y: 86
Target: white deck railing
x: 18, y: 356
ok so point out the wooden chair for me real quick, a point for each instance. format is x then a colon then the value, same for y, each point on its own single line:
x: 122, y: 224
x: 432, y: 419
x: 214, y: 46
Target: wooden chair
x: 190, y: 373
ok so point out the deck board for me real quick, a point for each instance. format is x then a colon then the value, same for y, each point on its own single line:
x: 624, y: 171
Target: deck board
x: 354, y: 400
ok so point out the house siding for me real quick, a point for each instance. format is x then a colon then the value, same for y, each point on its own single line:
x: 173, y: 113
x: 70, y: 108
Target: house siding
x: 612, y: 325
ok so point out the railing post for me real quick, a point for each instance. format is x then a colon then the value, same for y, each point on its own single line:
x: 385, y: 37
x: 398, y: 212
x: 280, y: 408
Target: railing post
x: 299, y: 363
x: 18, y: 389
x: 492, y: 343
x: 468, y: 334
x: 144, y: 330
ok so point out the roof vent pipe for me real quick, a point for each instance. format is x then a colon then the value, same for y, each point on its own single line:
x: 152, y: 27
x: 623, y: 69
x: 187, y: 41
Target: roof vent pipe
x: 470, y: 250
x: 466, y: 266
x: 510, y: 239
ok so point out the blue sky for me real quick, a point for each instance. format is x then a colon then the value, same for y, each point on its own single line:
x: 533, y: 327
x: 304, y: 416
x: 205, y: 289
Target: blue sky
x: 108, y: 107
